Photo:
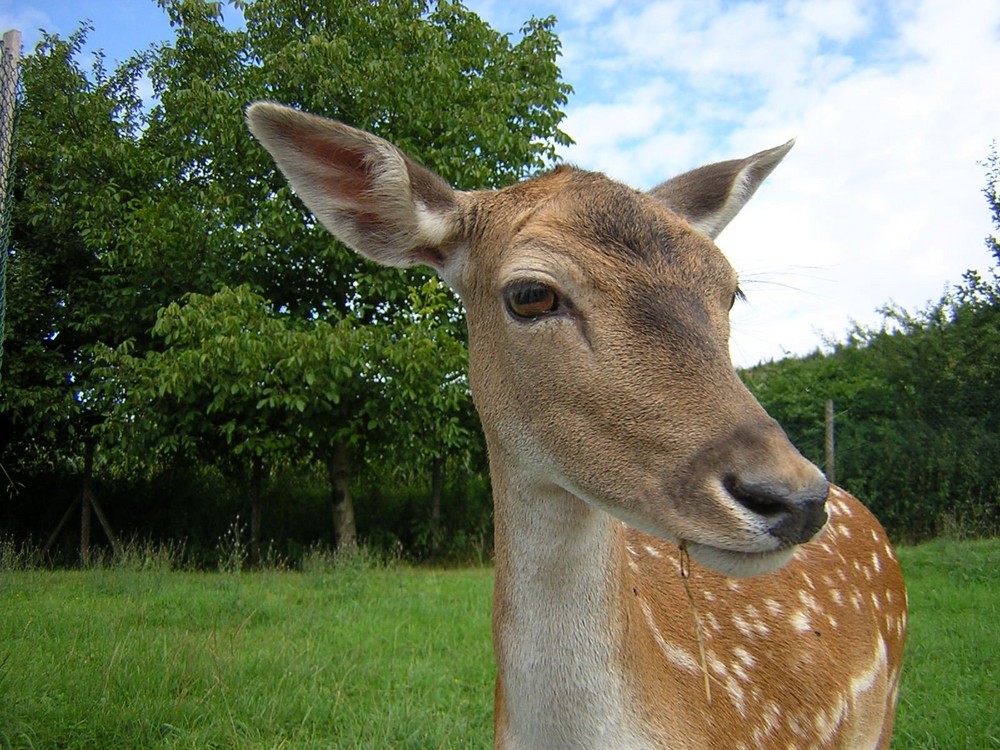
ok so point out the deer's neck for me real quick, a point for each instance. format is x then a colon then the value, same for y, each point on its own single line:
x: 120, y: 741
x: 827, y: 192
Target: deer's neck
x: 559, y: 620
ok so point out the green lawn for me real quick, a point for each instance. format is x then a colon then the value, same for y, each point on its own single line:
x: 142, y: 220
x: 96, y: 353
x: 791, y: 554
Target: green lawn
x: 362, y: 657
x: 950, y: 698
x: 358, y: 658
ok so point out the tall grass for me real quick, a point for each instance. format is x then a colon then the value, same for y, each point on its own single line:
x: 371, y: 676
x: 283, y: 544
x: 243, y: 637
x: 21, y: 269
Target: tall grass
x: 352, y: 652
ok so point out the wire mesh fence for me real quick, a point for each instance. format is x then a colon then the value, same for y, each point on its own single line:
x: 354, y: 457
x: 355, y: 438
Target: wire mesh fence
x: 10, y: 54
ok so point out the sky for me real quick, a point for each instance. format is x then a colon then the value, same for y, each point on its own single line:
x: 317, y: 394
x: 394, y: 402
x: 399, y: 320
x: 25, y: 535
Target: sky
x: 893, y: 105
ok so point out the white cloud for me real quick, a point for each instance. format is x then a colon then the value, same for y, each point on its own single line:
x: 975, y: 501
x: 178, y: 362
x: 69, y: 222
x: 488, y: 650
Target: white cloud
x: 893, y: 106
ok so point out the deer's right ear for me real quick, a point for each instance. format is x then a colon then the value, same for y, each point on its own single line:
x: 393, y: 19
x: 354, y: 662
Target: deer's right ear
x: 362, y: 188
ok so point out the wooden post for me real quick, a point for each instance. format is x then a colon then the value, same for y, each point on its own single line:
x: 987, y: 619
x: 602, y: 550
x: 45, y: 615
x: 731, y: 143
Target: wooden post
x: 831, y: 467
x: 11, y: 58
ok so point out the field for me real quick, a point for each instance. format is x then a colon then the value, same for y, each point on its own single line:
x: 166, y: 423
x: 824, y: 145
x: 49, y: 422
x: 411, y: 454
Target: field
x: 368, y: 656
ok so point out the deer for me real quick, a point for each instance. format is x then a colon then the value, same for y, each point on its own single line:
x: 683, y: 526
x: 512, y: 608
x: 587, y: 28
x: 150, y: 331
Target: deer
x: 670, y: 572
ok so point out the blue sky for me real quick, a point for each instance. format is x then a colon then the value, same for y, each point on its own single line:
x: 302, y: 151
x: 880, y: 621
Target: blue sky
x: 893, y: 105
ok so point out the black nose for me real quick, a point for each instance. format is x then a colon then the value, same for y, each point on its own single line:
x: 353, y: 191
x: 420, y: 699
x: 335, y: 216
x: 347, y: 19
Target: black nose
x: 795, y: 515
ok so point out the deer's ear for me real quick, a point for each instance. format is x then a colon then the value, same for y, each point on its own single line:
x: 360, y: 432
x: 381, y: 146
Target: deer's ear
x: 710, y: 197
x: 362, y: 188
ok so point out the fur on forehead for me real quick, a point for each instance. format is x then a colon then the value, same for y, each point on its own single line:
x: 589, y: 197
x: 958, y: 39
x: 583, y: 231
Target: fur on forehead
x: 614, y: 223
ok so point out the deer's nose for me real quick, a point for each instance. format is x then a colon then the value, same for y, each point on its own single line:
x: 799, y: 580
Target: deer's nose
x: 794, y: 514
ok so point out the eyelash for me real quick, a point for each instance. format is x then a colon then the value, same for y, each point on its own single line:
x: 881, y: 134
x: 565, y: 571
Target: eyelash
x: 740, y: 295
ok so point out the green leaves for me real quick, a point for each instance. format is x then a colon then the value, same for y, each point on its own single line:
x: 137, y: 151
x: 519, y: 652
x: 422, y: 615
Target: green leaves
x: 169, y: 293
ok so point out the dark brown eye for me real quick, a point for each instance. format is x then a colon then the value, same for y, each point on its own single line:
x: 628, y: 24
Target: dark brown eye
x: 530, y: 300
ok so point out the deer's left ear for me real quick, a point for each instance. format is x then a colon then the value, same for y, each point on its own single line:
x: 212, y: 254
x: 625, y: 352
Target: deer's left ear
x: 710, y: 197
x: 366, y: 191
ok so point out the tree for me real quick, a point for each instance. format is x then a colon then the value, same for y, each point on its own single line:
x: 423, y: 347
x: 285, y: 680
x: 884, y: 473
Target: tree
x: 480, y: 110
x: 78, y: 169
x: 126, y: 208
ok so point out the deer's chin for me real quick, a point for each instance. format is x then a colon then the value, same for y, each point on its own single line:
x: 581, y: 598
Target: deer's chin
x: 740, y: 564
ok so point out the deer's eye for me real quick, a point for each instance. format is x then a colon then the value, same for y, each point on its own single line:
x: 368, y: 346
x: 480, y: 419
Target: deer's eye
x: 530, y: 300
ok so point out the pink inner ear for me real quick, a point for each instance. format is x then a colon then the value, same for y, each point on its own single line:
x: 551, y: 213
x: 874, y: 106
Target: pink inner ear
x: 343, y: 172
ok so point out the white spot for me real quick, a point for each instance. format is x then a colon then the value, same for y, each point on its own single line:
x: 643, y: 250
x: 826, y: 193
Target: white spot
x: 837, y: 597
x: 773, y: 607
x: 842, y: 528
x: 741, y: 674
x: 827, y: 722
x: 631, y: 550
x: 732, y: 585
x: 709, y: 596
x: 875, y: 602
x: 720, y: 669
x: 675, y: 655
x: 809, y: 601
x: 832, y: 620
x: 888, y: 596
x: 652, y: 551
x: 889, y: 551
x: 800, y: 621
x: 713, y: 621
x: 876, y: 563
x: 743, y: 626
x: 808, y: 580
x: 735, y: 692
x: 745, y: 657
x: 797, y: 725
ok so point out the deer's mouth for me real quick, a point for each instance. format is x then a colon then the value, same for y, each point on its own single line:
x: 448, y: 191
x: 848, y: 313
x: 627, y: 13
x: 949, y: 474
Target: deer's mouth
x: 739, y: 564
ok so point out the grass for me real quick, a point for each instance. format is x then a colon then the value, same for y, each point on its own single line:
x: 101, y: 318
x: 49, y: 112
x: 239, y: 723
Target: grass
x: 352, y: 658
x: 354, y: 654
x: 950, y: 696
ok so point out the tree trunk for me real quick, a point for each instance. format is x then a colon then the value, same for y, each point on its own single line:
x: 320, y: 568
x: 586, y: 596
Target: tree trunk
x: 437, y: 483
x: 256, y: 507
x: 338, y: 467
x: 86, y: 501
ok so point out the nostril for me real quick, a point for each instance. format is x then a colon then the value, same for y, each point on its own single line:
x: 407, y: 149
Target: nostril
x: 794, y: 516
x: 760, y: 498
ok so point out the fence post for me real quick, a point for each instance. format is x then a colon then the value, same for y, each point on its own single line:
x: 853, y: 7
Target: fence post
x: 831, y: 463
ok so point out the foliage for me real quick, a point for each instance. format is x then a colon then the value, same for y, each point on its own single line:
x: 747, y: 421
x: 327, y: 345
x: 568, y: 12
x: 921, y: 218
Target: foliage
x: 74, y: 196
x: 173, y: 300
